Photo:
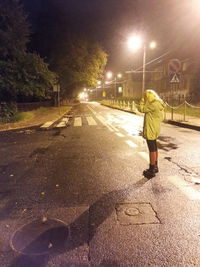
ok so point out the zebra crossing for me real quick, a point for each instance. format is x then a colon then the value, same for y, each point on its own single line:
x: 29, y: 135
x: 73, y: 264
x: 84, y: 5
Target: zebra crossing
x: 77, y: 121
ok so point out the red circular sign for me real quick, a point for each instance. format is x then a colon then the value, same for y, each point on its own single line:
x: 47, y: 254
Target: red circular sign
x: 174, y: 66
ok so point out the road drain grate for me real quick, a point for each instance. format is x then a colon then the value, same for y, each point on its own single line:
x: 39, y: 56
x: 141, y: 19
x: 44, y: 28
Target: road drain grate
x: 136, y: 213
x: 40, y: 237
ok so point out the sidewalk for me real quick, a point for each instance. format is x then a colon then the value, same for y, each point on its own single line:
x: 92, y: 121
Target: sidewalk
x: 190, y: 122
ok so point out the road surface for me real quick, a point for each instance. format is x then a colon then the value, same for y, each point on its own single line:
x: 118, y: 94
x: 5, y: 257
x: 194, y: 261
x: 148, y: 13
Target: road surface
x: 74, y: 194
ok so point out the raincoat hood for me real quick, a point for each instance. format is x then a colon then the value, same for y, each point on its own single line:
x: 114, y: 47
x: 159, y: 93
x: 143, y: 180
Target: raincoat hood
x: 150, y: 95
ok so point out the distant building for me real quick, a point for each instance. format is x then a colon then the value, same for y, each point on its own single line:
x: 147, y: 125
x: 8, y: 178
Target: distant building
x: 185, y: 84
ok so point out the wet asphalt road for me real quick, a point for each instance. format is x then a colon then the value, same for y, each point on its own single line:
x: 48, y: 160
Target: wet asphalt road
x: 90, y: 178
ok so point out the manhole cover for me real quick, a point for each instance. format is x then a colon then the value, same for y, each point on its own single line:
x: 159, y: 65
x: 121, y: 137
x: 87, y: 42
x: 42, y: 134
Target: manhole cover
x: 136, y: 213
x: 40, y: 237
x: 132, y: 211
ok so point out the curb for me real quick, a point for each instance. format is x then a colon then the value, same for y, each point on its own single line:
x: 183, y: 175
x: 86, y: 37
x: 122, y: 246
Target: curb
x: 184, y: 125
x: 55, y: 121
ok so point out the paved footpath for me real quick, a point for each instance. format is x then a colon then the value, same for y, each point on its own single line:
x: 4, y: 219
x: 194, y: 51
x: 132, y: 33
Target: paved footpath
x: 178, y: 120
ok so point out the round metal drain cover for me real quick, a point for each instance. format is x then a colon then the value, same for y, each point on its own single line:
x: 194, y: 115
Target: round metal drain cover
x: 40, y: 237
x: 132, y: 211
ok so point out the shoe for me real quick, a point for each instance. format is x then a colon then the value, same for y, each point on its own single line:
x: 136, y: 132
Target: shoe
x: 151, y: 172
x: 156, y: 169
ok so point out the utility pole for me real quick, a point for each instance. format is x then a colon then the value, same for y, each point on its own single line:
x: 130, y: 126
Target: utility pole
x: 143, y: 70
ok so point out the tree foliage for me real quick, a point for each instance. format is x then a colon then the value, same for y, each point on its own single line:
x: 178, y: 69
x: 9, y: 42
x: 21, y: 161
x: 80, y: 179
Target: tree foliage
x: 21, y: 73
x: 79, y: 63
x: 69, y: 48
x: 26, y: 75
x: 14, y: 29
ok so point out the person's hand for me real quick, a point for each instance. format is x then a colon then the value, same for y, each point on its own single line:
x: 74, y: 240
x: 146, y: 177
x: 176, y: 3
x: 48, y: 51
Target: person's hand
x: 142, y: 101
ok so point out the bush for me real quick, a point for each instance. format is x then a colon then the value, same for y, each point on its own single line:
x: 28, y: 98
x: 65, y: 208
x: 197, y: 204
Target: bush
x: 8, y: 112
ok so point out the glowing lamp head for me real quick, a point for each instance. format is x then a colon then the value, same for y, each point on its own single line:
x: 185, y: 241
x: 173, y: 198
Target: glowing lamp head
x: 152, y: 45
x: 134, y: 43
x: 109, y: 74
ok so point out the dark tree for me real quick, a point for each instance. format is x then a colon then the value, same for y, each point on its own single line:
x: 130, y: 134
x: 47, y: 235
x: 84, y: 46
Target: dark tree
x: 14, y: 29
x: 62, y: 35
x: 21, y: 73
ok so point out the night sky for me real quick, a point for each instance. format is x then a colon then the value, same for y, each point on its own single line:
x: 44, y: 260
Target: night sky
x: 171, y: 23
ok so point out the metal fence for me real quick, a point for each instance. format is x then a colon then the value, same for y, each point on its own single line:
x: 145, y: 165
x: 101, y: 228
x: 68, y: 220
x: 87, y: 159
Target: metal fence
x: 183, y: 112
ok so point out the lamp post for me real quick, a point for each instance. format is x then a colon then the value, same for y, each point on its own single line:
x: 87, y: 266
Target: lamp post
x: 135, y: 43
x: 143, y: 69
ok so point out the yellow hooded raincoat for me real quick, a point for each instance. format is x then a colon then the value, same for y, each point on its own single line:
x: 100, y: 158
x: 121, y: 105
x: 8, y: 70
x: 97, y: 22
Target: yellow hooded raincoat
x: 153, y: 107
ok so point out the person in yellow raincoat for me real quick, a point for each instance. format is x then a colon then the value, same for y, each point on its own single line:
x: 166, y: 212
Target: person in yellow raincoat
x: 153, y: 107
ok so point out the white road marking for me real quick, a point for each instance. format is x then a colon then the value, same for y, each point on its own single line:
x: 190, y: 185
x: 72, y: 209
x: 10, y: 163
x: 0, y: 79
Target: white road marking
x: 100, y: 118
x: 130, y: 143
x: 65, y: 120
x: 61, y: 124
x: 91, y: 109
x: 139, y: 140
x: 103, y: 121
x: 113, y: 127
x: 185, y: 187
x: 47, y: 124
x: 91, y: 121
x: 78, y: 121
x: 119, y: 134
x: 144, y: 155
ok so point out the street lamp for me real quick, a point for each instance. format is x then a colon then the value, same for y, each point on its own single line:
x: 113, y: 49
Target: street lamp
x: 119, y: 75
x: 152, y: 45
x: 109, y: 74
x: 135, y: 43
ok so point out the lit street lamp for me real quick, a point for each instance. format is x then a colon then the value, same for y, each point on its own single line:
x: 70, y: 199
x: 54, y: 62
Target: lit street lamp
x: 119, y: 75
x: 109, y: 74
x: 135, y: 43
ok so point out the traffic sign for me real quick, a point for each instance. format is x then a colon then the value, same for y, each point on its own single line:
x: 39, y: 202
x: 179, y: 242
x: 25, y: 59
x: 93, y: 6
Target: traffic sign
x: 56, y: 88
x: 175, y: 78
x: 174, y: 66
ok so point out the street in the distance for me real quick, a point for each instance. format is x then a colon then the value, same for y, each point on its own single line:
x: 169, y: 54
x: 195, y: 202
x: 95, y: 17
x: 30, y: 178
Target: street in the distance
x: 79, y: 193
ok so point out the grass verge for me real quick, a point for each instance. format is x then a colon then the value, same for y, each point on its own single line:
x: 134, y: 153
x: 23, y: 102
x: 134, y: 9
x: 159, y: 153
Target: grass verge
x: 36, y: 117
x: 189, y: 111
